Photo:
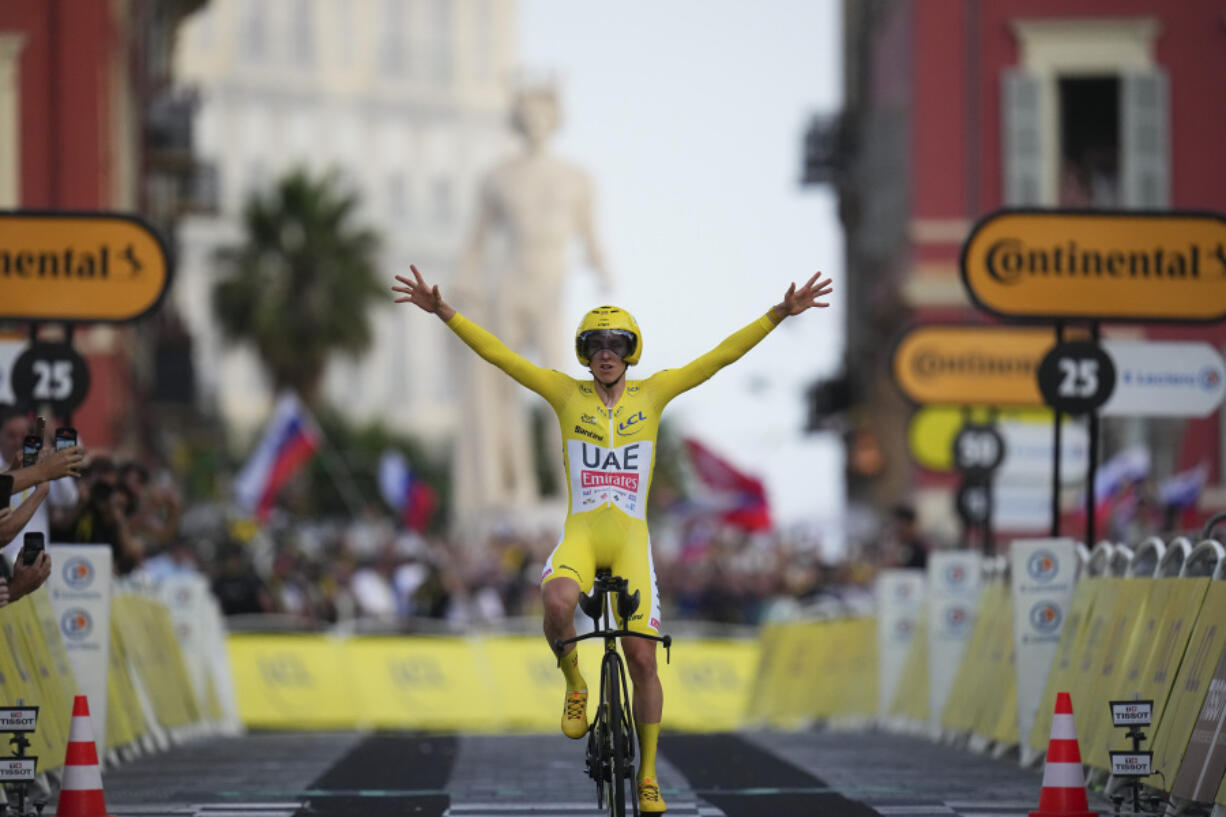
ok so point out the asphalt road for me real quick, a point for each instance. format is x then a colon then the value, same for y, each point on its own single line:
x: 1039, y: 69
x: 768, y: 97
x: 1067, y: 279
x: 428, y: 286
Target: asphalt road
x: 816, y: 772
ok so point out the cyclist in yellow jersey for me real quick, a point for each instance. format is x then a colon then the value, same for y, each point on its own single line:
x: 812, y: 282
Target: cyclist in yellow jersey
x: 609, y: 426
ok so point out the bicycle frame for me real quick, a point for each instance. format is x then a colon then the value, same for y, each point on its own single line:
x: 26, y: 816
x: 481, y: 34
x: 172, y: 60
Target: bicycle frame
x: 610, y: 771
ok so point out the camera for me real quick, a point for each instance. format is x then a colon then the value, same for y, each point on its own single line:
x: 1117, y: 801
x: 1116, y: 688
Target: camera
x: 100, y: 492
x: 6, y: 489
x: 65, y: 437
x: 35, y: 543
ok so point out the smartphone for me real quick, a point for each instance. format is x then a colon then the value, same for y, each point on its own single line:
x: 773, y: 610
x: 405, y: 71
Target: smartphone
x: 6, y: 490
x: 65, y: 437
x: 30, y: 447
x: 35, y: 543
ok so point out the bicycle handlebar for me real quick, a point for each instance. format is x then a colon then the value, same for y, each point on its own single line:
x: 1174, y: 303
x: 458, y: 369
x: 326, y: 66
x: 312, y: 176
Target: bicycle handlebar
x: 666, y: 640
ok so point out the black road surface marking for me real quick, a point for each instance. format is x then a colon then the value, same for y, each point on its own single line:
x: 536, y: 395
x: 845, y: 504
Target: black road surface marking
x: 369, y: 780
x: 745, y: 781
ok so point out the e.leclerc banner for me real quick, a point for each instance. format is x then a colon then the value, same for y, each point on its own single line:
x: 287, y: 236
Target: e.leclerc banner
x: 1164, y: 378
x: 80, y: 590
x: 1042, y: 573
x: 1098, y: 265
x: 953, y: 599
x: 900, y: 601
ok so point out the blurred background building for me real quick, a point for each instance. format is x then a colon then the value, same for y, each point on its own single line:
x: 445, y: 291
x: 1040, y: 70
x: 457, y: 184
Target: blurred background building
x: 84, y: 125
x: 408, y: 101
x: 955, y: 109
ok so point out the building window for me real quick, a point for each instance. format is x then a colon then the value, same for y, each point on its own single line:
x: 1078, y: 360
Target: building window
x: 1086, y: 119
x: 253, y: 31
x: 1089, y: 142
x: 391, y: 39
x: 302, y: 33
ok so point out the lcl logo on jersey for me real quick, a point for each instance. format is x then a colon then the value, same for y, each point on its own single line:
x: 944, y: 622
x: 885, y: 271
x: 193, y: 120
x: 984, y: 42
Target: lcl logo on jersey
x: 631, y: 425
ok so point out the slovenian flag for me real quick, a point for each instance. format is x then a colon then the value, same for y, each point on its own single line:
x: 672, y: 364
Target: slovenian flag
x: 407, y: 494
x: 289, y: 443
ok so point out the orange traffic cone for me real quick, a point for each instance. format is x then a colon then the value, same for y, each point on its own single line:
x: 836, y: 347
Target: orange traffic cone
x: 81, y: 794
x: 1064, y: 786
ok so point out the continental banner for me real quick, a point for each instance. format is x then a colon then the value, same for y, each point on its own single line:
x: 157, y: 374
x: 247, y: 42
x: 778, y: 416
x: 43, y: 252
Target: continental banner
x: 479, y: 684
x: 1098, y: 265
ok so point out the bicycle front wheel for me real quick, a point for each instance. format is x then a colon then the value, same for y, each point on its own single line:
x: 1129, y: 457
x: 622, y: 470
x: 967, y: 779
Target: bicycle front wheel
x: 620, y: 737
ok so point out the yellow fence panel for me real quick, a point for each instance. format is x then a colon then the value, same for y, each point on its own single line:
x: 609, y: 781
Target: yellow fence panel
x: 1204, y: 650
x: 1074, y: 638
x: 911, y: 698
x: 292, y: 682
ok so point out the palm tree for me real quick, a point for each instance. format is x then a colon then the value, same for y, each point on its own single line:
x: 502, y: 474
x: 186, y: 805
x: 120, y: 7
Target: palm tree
x: 299, y: 286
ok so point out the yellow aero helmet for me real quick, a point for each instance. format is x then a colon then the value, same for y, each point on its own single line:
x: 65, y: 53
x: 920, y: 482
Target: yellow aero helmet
x: 614, y: 320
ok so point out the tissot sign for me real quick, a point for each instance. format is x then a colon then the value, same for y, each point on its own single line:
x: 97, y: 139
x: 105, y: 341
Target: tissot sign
x: 1101, y: 266
x: 85, y: 267
x: 965, y: 365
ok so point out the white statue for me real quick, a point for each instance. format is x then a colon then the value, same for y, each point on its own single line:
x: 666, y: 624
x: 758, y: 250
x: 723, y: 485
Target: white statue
x: 533, y: 205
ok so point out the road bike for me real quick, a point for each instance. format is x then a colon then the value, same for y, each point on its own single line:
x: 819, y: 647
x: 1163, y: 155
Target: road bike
x: 611, y: 741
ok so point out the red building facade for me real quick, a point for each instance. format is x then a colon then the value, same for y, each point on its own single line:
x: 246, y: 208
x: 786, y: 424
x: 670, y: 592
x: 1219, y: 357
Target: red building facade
x: 78, y: 76
x: 957, y: 108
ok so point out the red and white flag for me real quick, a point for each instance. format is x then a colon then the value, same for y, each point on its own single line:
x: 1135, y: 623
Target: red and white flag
x: 740, y: 497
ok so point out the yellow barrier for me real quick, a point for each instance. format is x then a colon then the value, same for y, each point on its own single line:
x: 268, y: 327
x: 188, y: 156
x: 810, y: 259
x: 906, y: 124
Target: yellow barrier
x: 477, y: 684
x: 1204, y: 649
x: 976, y: 687
x: 1157, y: 641
x: 911, y: 698
x: 1071, y: 652
x: 34, y: 668
x: 811, y: 670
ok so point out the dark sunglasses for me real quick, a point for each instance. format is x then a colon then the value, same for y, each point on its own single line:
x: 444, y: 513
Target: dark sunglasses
x: 615, y: 340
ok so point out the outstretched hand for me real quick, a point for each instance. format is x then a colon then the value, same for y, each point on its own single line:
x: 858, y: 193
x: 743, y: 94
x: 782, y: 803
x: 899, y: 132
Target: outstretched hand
x: 423, y: 295
x: 796, y: 300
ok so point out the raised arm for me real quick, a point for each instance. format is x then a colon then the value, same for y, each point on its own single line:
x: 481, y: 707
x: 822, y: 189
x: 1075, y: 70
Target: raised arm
x: 796, y: 300
x: 671, y: 382
x: 545, y: 382
x: 424, y: 296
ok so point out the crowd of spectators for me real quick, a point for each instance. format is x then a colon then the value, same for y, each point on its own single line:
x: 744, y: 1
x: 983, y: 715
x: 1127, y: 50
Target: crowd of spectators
x: 369, y: 571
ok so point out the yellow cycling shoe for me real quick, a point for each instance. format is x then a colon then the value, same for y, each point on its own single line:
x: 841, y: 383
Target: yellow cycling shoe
x: 650, y: 801
x: 574, y: 714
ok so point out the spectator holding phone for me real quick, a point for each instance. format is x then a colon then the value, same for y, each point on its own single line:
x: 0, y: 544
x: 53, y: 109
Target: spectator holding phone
x: 48, y: 479
x: 31, y: 568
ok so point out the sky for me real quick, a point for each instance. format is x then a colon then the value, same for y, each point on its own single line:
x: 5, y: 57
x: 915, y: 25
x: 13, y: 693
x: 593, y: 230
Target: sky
x: 689, y: 115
